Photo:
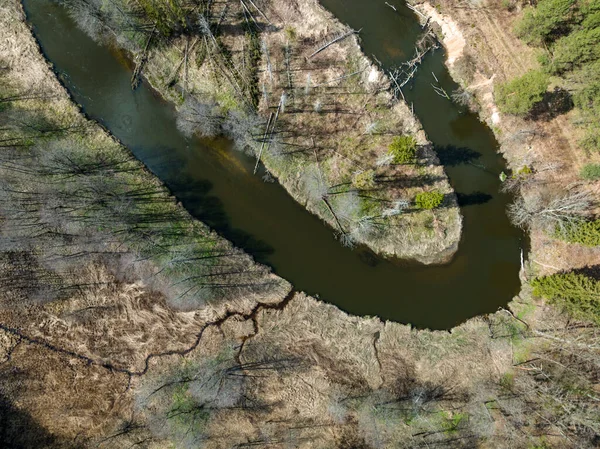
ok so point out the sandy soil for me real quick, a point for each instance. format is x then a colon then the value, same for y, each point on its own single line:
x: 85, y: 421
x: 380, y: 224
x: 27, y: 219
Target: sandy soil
x: 491, y: 54
x: 453, y: 39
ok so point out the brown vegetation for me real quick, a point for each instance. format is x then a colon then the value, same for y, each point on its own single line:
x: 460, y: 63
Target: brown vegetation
x: 112, y: 364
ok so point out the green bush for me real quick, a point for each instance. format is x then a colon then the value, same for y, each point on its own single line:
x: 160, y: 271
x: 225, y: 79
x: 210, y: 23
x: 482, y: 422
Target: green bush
x: 590, y: 172
x: 429, y: 200
x: 364, y: 179
x: 168, y: 16
x: 592, y: 19
x: 403, y: 149
x: 290, y: 33
x: 520, y: 94
x: 583, y: 232
x: 577, y: 294
x: 523, y: 172
x: 587, y: 101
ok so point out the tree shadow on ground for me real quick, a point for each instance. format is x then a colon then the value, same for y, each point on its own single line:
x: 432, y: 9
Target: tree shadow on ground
x: 592, y: 271
x: 241, y: 28
x: 413, y: 181
x: 450, y: 200
x: 18, y: 430
x: 553, y: 104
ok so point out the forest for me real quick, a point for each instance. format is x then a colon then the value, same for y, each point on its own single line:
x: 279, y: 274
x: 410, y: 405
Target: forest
x: 567, y: 33
x: 125, y: 322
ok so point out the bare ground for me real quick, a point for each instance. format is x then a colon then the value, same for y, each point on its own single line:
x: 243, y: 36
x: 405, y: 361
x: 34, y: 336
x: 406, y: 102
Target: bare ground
x: 493, y: 54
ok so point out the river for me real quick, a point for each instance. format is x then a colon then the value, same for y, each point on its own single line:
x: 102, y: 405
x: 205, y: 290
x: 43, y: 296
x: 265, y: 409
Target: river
x: 215, y: 183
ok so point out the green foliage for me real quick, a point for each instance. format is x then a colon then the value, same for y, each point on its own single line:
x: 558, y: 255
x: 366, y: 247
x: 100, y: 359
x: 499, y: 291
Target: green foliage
x: 451, y: 422
x: 524, y: 171
x: 577, y: 294
x: 575, y: 49
x: 253, y: 58
x: 590, y: 172
x: 227, y: 100
x: 592, y: 20
x: 290, y: 33
x: 583, y: 232
x: 403, y: 149
x: 587, y: 100
x: 507, y: 381
x: 185, y: 399
x: 364, y: 179
x: 508, y: 5
x: 166, y: 14
x: 569, y: 31
x: 551, y: 18
x: 520, y: 94
x: 184, y: 412
x: 591, y: 140
x: 429, y: 200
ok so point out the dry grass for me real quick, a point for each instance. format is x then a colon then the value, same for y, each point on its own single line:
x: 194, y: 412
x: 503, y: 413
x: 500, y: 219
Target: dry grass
x: 65, y: 363
x: 63, y: 366
x: 347, y: 134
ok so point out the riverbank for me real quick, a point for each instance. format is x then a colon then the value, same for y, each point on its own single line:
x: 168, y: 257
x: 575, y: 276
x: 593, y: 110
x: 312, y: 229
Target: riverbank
x: 112, y: 364
x: 482, y: 51
x: 92, y: 247
x: 219, y: 183
x: 333, y: 120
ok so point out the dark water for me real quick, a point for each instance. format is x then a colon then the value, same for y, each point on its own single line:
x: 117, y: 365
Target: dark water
x: 216, y: 184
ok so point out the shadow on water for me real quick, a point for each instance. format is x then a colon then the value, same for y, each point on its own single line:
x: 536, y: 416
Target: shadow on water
x: 195, y: 195
x: 472, y: 199
x: 451, y: 155
x: 216, y: 184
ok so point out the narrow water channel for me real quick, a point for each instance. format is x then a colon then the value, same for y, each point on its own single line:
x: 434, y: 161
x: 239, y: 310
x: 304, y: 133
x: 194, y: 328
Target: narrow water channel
x: 215, y: 183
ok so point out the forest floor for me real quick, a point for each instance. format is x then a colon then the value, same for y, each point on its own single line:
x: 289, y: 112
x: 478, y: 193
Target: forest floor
x: 102, y: 367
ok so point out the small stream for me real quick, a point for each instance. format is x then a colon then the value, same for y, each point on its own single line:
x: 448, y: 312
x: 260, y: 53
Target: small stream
x: 215, y: 183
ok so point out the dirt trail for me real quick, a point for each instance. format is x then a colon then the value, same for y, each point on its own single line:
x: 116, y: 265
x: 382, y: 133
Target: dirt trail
x: 504, y: 41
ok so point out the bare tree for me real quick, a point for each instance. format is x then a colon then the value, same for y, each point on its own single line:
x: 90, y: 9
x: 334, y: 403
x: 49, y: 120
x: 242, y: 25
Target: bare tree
x: 195, y: 117
x: 556, y: 211
x: 463, y: 97
x: 185, y: 404
x: 245, y: 129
